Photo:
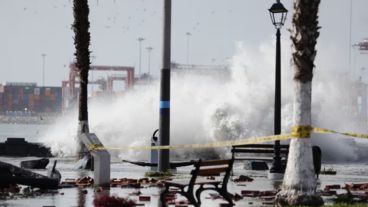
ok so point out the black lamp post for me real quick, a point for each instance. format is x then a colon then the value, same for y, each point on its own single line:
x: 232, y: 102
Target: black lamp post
x: 164, y: 123
x: 278, y: 16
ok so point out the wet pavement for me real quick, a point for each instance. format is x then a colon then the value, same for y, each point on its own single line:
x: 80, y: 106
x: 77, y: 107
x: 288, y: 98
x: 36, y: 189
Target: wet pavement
x: 149, y: 194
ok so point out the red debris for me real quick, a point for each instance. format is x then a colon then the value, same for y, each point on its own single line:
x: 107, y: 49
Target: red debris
x: 329, y: 187
x: 144, y: 198
x: 358, y: 186
x: 113, y: 201
x: 243, y: 178
x: 84, y: 182
x: 250, y: 193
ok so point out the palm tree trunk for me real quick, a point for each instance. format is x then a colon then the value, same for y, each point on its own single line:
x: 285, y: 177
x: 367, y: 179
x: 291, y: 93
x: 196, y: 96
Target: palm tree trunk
x: 299, y: 185
x: 82, y: 42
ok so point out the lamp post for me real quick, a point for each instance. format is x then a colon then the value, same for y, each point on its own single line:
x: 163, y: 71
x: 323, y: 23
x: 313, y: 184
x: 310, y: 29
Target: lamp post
x: 149, y: 50
x: 43, y: 68
x: 164, y: 123
x: 278, y: 16
x: 188, y: 38
x: 140, y: 39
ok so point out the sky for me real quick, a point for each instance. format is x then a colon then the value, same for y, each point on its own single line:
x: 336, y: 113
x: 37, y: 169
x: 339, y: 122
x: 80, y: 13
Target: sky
x: 30, y: 28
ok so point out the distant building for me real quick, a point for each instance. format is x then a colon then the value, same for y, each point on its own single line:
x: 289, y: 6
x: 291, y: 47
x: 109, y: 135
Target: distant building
x: 28, y: 98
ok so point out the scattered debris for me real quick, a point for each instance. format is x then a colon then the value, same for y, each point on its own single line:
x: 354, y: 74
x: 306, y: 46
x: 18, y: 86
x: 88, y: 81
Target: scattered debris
x: 357, y: 186
x: 329, y: 187
x: 170, y: 198
x: 243, y: 178
x: 35, y: 164
x: 10, y: 174
x: 84, y: 182
x: 158, y: 174
x: 256, y: 193
x: 112, y: 201
x: 144, y: 198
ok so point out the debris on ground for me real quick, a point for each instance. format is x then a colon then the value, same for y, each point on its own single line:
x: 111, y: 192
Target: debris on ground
x: 330, y: 187
x: 256, y: 193
x: 11, y: 174
x: 243, y: 178
x: 112, y: 201
x: 84, y: 182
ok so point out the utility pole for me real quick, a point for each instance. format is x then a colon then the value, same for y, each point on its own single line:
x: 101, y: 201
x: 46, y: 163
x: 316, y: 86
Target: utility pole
x: 149, y: 50
x: 188, y: 38
x: 164, y: 124
x: 43, y: 68
x: 140, y: 39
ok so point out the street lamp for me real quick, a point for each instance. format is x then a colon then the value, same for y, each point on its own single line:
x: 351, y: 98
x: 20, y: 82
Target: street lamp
x: 43, y: 68
x: 278, y: 16
x: 149, y: 50
x: 188, y: 36
x: 140, y: 39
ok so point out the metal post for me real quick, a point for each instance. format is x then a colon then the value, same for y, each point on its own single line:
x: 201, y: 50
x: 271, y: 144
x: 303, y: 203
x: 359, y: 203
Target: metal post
x: 140, y: 39
x: 43, y: 68
x: 164, y: 125
x: 276, y: 165
x: 188, y: 36
x: 149, y: 49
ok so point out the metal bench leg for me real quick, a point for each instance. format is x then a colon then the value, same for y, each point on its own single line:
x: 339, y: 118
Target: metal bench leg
x: 226, y: 195
x: 163, y: 196
x: 189, y: 195
x: 198, y: 194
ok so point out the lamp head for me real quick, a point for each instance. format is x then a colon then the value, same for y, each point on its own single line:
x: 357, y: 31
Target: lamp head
x: 278, y: 14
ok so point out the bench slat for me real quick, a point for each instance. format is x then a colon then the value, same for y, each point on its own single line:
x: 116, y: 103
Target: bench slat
x: 259, y: 146
x: 258, y: 151
x: 215, y: 162
x: 212, y: 171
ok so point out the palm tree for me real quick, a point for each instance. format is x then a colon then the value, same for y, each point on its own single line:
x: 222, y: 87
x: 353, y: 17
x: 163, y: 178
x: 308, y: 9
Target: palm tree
x: 82, y: 42
x: 299, y: 185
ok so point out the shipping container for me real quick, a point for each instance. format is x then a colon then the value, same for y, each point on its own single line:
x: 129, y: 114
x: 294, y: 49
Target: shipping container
x: 29, y: 98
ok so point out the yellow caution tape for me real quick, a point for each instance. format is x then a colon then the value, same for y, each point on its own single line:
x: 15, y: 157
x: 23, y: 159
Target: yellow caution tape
x: 296, y: 132
x: 228, y: 143
x: 95, y: 147
x: 301, y: 131
x: 329, y: 131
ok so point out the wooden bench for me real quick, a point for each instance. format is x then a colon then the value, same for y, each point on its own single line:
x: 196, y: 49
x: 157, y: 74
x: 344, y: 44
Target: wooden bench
x: 202, y: 168
x: 258, y: 149
x: 268, y: 149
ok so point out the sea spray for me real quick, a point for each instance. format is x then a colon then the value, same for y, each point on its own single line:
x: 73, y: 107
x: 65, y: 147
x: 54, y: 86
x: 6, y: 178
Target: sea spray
x: 208, y: 107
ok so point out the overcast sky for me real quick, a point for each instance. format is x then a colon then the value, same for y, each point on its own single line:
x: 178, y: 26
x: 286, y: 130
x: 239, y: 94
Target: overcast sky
x: 32, y: 27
